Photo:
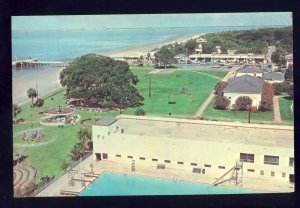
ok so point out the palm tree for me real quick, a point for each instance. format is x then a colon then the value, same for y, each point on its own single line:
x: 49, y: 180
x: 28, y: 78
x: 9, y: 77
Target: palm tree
x: 31, y: 93
x: 16, y: 110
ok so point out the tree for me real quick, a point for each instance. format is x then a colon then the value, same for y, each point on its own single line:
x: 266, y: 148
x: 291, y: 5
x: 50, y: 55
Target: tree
x: 288, y: 75
x: 243, y: 103
x: 220, y: 87
x: 290, y: 91
x: 85, y: 137
x: 267, y: 97
x: 278, y: 88
x: 16, y: 110
x: 222, y: 103
x: 139, y: 112
x: 39, y: 102
x: 78, y: 151
x: 31, y: 93
x: 190, y: 46
x: 165, y: 56
x: 101, y: 81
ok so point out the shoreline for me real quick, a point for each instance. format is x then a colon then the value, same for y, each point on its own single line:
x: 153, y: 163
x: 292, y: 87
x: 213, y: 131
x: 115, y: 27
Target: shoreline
x: 48, y: 80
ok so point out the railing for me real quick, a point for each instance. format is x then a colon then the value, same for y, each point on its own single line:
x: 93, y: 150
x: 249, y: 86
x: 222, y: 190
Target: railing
x: 45, y: 185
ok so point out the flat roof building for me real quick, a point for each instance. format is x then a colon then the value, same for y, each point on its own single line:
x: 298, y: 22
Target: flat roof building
x: 211, y: 148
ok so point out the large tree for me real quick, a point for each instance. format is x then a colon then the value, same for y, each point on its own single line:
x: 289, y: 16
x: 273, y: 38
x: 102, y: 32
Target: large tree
x: 165, y: 56
x: 288, y: 75
x: 31, y: 93
x: 101, y: 81
x: 267, y: 97
x: 16, y: 110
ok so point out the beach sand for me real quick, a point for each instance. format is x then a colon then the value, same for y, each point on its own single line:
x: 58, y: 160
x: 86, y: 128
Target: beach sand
x: 144, y: 49
x: 48, y: 81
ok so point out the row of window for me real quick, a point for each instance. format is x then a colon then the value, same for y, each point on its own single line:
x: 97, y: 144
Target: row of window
x: 272, y: 173
x: 166, y: 161
x: 268, y: 159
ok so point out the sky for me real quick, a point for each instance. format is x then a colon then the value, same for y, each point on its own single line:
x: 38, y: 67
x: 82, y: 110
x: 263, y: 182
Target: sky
x: 92, y: 22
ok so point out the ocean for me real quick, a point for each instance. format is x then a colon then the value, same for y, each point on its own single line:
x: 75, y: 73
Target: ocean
x: 60, y: 45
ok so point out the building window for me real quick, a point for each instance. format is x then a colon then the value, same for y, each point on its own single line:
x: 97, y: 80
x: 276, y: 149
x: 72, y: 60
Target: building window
x: 203, y: 171
x: 271, y: 160
x: 102, y: 137
x: 272, y: 173
x: 104, y: 155
x: 117, y: 127
x: 245, y: 157
x: 167, y: 161
x: 142, y: 158
x: 180, y: 163
x: 283, y: 175
x: 262, y: 172
x: 129, y: 157
x: 155, y: 160
x: 292, y: 178
x: 207, y: 166
x: 250, y: 170
x: 108, y: 133
x: 221, y: 167
x: 291, y: 163
x: 194, y: 164
x: 98, y: 136
x: 118, y: 155
x: 122, y: 131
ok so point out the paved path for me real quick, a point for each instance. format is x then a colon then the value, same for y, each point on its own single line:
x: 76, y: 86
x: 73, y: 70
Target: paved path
x: 208, y: 75
x: 277, y: 116
x: 229, y: 75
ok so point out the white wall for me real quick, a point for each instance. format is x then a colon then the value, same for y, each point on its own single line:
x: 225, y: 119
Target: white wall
x: 256, y: 98
x: 250, y: 74
x: 191, y: 151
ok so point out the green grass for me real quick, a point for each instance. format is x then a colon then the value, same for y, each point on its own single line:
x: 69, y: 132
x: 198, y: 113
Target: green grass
x: 285, y: 109
x: 167, y: 87
x: 227, y: 115
x: 47, y: 159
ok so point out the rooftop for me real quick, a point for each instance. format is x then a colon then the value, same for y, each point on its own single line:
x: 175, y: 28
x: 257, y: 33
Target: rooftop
x: 245, y: 83
x: 274, y: 76
x: 106, y: 121
x: 252, y: 69
x: 264, y: 135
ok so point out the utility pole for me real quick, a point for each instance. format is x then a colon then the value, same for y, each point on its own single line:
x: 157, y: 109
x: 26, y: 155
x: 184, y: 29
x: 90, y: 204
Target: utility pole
x: 249, y: 114
x: 149, y: 86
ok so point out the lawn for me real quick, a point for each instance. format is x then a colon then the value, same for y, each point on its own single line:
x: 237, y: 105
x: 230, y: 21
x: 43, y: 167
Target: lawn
x: 48, y: 158
x: 285, y: 109
x: 169, y: 87
x: 227, y: 115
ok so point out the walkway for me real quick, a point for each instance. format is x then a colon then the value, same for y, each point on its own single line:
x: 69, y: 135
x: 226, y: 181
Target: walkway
x: 277, y: 116
x: 204, y: 105
x: 208, y: 75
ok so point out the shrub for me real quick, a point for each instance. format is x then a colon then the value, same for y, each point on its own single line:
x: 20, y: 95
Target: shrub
x: 65, y: 165
x: 278, y: 88
x: 290, y: 92
x: 242, y: 103
x: 222, y: 103
x: 38, y: 103
x: 140, y: 112
x: 267, y: 97
x: 220, y: 87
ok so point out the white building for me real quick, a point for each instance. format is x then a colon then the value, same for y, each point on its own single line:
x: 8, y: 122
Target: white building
x: 245, y: 85
x: 205, y: 147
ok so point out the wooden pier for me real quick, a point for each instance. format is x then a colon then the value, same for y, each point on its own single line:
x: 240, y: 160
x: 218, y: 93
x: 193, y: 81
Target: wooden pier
x: 33, y: 62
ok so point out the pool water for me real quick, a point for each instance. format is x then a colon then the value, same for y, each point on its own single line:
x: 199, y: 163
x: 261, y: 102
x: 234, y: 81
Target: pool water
x: 114, y: 184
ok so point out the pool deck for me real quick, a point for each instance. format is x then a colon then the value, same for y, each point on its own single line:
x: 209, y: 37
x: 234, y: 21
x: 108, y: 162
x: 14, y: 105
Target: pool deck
x: 177, y: 175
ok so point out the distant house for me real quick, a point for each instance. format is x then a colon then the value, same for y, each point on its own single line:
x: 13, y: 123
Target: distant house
x: 245, y: 85
x: 231, y: 51
x: 273, y: 77
x: 199, y: 49
x: 201, y: 40
x: 252, y: 70
x: 181, y: 58
x: 289, y: 59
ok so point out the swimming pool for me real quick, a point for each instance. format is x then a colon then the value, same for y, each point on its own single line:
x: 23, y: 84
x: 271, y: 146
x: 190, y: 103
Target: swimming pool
x: 114, y: 184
